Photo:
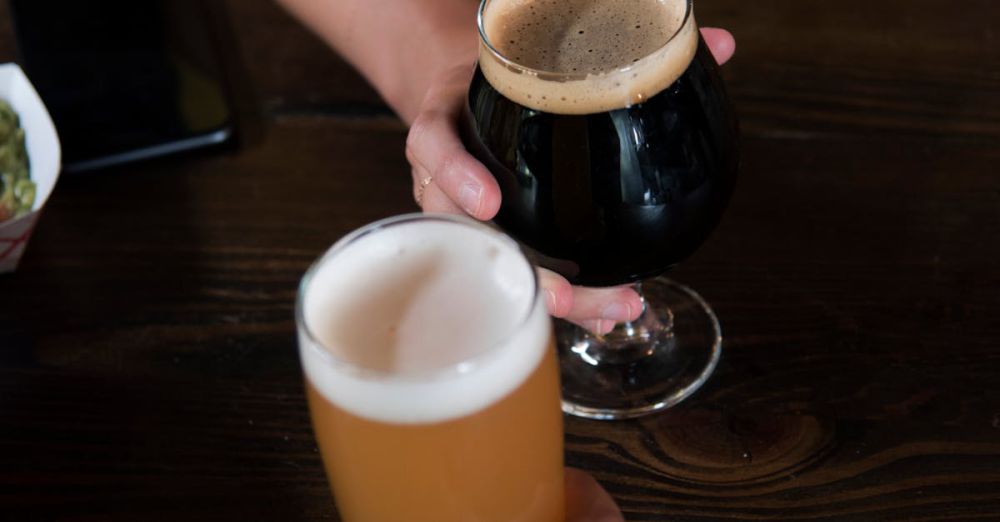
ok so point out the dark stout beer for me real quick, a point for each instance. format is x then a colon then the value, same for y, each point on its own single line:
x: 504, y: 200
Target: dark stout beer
x: 608, y: 128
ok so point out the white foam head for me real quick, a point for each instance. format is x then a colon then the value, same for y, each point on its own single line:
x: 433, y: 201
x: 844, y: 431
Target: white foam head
x: 421, y: 319
x: 544, y: 83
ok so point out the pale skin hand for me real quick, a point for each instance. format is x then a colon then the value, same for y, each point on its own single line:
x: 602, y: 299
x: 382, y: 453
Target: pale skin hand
x: 419, y: 55
x: 462, y: 185
x: 586, y: 500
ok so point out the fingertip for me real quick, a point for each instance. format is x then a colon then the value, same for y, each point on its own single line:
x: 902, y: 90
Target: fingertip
x: 604, y: 327
x: 593, y: 325
x: 437, y: 202
x: 491, y: 201
x: 564, y: 300
x: 598, y: 326
x: 587, y: 501
x: 721, y: 42
x: 551, y: 301
x: 633, y: 300
x: 558, y: 294
x: 471, y: 185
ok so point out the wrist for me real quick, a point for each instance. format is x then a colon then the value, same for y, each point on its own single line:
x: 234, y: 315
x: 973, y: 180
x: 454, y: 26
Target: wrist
x: 402, y: 47
x: 441, y: 40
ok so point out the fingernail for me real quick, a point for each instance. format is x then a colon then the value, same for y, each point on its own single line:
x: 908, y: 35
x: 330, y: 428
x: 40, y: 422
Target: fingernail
x: 550, y: 298
x: 617, y: 312
x: 599, y: 326
x: 606, y: 327
x: 596, y: 326
x: 469, y: 197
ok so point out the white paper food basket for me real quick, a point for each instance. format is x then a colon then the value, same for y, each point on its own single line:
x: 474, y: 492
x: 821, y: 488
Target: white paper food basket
x: 44, y: 155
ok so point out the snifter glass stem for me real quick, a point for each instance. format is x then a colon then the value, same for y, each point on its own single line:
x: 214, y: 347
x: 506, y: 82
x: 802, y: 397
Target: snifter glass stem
x: 621, y: 343
x: 645, y: 365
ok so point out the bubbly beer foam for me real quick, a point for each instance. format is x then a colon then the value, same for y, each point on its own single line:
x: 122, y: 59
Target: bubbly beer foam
x: 585, y: 56
x: 422, y: 322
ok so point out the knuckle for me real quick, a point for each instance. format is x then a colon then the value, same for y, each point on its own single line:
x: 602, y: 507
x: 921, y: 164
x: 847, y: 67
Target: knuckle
x: 563, y: 296
x: 415, y: 138
x: 410, y: 157
x: 420, y: 130
x: 448, y: 166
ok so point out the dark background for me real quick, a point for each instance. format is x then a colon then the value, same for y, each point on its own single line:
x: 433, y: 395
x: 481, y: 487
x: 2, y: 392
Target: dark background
x: 148, y: 366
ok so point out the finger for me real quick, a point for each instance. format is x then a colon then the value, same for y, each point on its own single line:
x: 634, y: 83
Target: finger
x: 558, y: 292
x: 429, y: 197
x: 600, y: 308
x: 436, y: 201
x: 597, y: 326
x: 433, y: 145
x: 587, y: 501
x: 720, y: 42
x: 421, y: 180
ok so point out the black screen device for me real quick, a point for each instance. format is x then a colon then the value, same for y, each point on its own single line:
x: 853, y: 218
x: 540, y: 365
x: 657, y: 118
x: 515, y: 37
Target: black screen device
x: 126, y: 80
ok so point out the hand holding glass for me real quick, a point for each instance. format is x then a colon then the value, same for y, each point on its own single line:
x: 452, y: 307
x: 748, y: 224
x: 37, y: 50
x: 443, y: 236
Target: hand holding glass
x: 607, y: 127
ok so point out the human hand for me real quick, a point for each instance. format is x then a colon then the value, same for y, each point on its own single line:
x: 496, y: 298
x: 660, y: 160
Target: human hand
x: 586, y: 500
x: 446, y: 178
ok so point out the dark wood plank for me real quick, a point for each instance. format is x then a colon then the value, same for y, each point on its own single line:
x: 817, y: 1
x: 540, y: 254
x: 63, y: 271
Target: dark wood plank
x: 856, y: 67
x: 858, y: 380
x: 148, y: 366
x: 293, y: 70
x: 194, y: 232
x: 148, y: 362
x: 909, y: 67
x: 7, y: 46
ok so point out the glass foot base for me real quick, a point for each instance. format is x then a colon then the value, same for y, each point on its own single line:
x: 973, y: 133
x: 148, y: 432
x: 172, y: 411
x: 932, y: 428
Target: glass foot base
x: 644, y: 366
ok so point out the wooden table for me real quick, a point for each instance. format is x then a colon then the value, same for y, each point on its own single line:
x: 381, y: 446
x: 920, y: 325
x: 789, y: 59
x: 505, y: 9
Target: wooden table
x: 148, y: 366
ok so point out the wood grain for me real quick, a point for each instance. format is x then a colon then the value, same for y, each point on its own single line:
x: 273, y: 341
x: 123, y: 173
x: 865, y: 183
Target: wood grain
x: 148, y: 366
x: 809, y: 68
x: 8, y: 48
x: 293, y: 70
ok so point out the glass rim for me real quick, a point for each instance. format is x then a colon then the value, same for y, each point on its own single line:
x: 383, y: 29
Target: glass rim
x: 562, y: 76
x: 462, y: 367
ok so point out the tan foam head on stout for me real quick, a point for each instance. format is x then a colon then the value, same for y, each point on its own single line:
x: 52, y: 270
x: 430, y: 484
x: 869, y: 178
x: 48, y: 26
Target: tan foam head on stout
x: 585, y: 56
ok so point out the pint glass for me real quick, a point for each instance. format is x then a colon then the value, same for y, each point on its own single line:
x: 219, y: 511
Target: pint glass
x: 431, y: 375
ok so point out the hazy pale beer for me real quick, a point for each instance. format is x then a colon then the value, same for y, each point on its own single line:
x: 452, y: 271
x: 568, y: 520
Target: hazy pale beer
x: 431, y: 375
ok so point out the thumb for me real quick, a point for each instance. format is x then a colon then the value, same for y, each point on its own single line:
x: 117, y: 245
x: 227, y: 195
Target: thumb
x: 587, y: 501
